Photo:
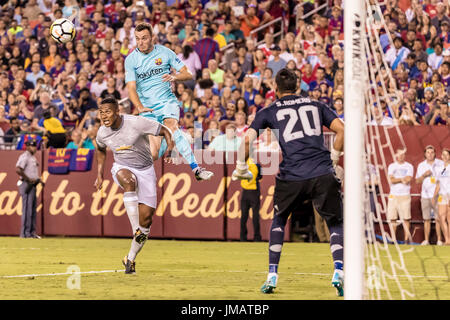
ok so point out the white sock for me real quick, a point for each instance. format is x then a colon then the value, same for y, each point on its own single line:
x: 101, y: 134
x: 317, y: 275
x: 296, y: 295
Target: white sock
x: 137, y: 246
x: 130, y: 201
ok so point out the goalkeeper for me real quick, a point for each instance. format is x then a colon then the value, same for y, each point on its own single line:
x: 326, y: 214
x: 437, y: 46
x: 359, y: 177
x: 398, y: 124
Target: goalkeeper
x: 306, y: 172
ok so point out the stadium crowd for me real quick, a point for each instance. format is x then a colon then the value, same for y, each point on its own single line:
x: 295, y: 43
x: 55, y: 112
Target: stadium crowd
x: 53, y: 90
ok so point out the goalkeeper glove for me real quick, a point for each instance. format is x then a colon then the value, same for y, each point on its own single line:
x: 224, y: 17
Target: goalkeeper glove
x: 335, y: 155
x: 241, y: 172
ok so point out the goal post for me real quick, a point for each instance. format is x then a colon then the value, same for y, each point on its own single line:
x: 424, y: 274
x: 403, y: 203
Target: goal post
x: 354, y: 109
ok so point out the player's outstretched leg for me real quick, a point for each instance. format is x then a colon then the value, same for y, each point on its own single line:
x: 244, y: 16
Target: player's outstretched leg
x: 184, y: 148
x: 337, y: 252
x: 275, y: 246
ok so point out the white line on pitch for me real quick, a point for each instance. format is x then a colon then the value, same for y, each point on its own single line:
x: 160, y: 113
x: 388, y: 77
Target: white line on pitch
x: 230, y: 271
x: 400, y: 275
x: 59, y: 274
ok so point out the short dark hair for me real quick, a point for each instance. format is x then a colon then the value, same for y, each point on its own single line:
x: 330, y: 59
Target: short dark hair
x: 144, y: 26
x: 210, y: 32
x: 110, y: 100
x: 286, y: 81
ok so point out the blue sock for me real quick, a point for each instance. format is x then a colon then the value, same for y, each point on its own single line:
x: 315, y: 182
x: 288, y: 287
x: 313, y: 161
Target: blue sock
x: 184, y: 148
x: 337, y: 246
x: 276, y: 240
x: 163, y: 148
x: 273, y: 268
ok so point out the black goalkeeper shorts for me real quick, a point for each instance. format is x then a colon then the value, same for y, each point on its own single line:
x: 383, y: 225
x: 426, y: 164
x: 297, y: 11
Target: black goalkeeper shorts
x: 323, y: 191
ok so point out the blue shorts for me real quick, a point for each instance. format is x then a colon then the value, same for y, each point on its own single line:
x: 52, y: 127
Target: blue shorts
x: 170, y: 110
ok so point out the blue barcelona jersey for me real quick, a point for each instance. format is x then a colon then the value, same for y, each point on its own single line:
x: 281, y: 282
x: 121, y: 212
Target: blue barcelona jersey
x: 147, y: 70
x: 299, y: 123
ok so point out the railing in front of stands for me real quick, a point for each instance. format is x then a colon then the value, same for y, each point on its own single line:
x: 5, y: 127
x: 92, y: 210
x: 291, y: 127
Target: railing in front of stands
x: 255, y: 32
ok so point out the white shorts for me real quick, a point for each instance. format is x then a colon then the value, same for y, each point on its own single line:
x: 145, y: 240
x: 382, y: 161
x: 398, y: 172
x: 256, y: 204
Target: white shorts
x: 146, y: 183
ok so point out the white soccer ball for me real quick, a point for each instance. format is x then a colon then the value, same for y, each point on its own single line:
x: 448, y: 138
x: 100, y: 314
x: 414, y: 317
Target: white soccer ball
x: 62, y: 30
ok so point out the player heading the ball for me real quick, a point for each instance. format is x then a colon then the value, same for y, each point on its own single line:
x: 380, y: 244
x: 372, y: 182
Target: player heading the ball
x: 148, y: 77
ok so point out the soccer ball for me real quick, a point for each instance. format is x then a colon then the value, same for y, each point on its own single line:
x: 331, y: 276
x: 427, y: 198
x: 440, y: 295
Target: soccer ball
x: 62, y: 30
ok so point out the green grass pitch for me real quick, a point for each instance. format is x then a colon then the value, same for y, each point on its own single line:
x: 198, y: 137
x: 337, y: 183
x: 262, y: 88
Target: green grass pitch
x: 200, y: 270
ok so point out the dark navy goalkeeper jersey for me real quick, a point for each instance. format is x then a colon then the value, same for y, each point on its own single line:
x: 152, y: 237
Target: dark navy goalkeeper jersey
x: 299, y: 123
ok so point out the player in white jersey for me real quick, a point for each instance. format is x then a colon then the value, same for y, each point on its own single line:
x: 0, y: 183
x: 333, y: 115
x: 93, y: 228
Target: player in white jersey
x: 442, y: 193
x: 133, y: 171
x: 425, y: 177
x: 148, y: 77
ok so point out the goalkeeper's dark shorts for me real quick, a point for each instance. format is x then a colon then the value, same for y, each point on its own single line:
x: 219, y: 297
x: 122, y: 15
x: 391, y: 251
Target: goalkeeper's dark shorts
x: 323, y: 191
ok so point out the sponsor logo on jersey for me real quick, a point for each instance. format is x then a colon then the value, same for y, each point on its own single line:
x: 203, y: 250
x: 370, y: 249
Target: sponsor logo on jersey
x: 149, y: 73
x: 123, y: 148
x: 158, y: 61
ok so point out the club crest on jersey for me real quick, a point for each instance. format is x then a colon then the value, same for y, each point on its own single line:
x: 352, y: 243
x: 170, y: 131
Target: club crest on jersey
x: 158, y: 61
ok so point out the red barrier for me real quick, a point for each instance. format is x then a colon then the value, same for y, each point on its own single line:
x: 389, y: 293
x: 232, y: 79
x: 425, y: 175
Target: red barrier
x: 186, y: 208
x: 192, y: 209
x: 70, y: 205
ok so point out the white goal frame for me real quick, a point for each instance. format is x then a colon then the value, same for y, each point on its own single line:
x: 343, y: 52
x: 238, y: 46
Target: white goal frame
x: 354, y: 109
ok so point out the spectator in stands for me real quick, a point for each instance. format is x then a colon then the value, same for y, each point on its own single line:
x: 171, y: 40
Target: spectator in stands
x: 110, y: 90
x: 400, y: 174
x: 248, y: 89
x: 207, y: 48
x: 192, y: 61
x: 85, y: 101
x: 440, y: 17
x: 80, y: 139
x: 249, y: 21
x: 427, y: 105
x: 397, y: 54
x: 35, y: 73
x: 425, y: 177
x: 227, y: 32
x: 277, y: 63
x: 45, y: 104
x: 241, y: 123
x: 11, y: 136
x: 436, y: 58
x: 226, y: 142
x: 339, y: 107
x: 71, y: 113
x: 216, y: 74
x: 99, y: 84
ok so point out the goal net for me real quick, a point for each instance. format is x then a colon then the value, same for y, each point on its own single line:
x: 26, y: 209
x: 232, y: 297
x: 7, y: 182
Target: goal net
x: 379, y: 267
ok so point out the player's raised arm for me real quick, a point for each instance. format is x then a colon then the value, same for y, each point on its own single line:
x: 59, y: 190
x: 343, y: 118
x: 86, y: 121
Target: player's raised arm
x: 244, y: 148
x: 241, y: 172
x: 337, y: 126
